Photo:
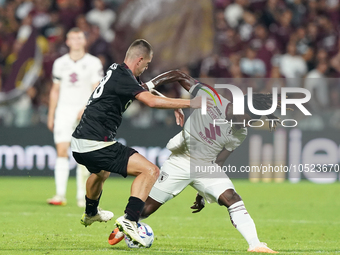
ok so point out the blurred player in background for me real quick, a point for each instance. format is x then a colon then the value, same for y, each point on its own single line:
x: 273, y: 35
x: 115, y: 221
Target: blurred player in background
x: 75, y: 75
x: 204, y: 145
x: 94, y: 144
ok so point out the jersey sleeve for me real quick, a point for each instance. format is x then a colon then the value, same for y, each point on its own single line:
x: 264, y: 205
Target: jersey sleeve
x: 236, y: 140
x: 56, y: 72
x: 196, y: 90
x: 97, y: 71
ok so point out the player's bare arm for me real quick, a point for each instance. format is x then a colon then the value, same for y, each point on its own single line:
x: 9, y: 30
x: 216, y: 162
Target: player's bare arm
x: 168, y: 103
x: 54, y: 96
x: 222, y: 157
x: 185, y: 80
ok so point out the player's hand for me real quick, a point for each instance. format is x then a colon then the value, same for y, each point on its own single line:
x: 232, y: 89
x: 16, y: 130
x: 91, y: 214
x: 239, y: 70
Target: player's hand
x: 80, y: 113
x: 179, y: 117
x: 197, y: 102
x: 198, y: 204
x: 50, y: 123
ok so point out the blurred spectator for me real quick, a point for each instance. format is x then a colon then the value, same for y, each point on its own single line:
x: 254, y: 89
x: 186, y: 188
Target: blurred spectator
x: 265, y: 44
x: 24, y: 9
x: 68, y: 11
x: 292, y: 65
x: 312, y: 12
x: 82, y: 23
x: 215, y: 66
x: 283, y: 29
x: 25, y: 29
x: 246, y: 28
x: 271, y: 12
x: 252, y: 66
x: 332, y: 12
x: 103, y: 18
x: 316, y: 82
x: 298, y: 10
x: 231, y: 44
x: 234, y: 12
x: 301, y: 40
x: 312, y: 34
x: 328, y: 36
x: 39, y: 13
x: 96, y: 45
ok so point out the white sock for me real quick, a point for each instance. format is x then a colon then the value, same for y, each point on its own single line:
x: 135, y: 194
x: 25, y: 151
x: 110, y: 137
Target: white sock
x: 243, y: 223
x: 82, y: 175
x: 61, y: 173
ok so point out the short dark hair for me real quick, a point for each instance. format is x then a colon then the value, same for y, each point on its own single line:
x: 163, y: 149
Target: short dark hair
x: 139, y: 47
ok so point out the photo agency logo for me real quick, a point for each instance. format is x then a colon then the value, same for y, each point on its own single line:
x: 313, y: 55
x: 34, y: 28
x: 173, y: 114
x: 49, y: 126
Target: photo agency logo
x: 239, y: 105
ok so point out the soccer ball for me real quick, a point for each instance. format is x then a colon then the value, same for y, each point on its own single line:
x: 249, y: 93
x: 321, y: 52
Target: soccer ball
x: 145, y: 232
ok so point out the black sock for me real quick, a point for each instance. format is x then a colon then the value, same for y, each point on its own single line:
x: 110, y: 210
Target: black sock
x: 134, y: 208
x: 92, y: 205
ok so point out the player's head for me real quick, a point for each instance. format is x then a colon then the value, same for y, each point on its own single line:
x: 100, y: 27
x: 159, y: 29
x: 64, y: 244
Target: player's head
x: 261, y: 102
x: 75, y: 39
x: 139, y: 55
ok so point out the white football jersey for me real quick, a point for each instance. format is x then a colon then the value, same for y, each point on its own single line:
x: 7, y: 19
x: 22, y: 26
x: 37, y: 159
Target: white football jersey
x: 76, y: 79
x: 203, y: 139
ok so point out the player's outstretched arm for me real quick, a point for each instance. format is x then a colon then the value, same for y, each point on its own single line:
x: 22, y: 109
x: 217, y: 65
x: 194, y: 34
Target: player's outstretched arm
x: 222, y: 157
x: 185, y: 80
x: 169, y: 103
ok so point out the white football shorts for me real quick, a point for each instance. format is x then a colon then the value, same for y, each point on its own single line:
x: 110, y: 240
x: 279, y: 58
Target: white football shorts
x: 65, y: 122
x: 175, y: 176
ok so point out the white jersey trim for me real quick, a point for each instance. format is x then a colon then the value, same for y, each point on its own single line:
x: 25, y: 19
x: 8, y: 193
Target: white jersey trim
x: 84, y: 145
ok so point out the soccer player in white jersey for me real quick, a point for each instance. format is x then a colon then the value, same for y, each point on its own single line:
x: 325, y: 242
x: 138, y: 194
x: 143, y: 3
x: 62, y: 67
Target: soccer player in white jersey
x: 203, y: 145
x: 75, y: 75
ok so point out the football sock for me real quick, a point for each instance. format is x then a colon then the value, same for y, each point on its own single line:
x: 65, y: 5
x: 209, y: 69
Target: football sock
x: 243, y: 223
x: 82, y: 175
x: 91, y: 208
x: 134, y: 208
x: 61, y: 173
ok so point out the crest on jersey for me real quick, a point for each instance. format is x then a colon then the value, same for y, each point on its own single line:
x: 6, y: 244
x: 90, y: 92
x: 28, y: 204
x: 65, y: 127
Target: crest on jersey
x: 163, y: 176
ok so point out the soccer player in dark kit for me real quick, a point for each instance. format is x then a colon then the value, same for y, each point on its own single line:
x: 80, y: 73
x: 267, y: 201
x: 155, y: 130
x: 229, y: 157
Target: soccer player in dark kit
x: 93, y: 143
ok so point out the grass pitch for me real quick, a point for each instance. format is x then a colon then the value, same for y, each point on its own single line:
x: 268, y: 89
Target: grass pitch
x: 291, y: 218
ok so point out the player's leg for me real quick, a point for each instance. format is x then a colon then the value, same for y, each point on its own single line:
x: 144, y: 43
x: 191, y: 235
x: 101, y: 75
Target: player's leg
x: 146, y: 174
x: 61, y: 174
x: 222, y: 190
x: 242, y: 221
x: 82, y: 175
x: 94, y: 187
x: 172, y: 181
x: 150, y: 207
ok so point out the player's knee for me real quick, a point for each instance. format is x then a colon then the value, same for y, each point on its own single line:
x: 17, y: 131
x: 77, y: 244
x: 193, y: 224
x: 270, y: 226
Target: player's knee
x: 229, y: 197
x: 154, y: 172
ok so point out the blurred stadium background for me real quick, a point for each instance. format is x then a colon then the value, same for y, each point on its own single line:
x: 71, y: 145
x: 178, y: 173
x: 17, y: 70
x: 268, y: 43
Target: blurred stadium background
x: 257, y: 43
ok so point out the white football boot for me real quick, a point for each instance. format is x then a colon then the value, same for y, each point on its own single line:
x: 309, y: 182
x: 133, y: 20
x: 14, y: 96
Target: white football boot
x: 101, y: 216
x: 129, y: 228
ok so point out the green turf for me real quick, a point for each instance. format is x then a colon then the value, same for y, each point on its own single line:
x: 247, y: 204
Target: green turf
x: 292, y: 218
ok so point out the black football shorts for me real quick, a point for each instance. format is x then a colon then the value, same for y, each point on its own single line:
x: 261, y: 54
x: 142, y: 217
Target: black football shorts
x: 113, y: 158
